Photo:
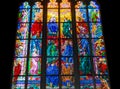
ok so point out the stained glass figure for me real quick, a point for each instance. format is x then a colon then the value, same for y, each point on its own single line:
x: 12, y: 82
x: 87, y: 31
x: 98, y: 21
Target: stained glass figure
x: 52, y: 82
x: 85, y: 66
x: 65, y: 4
x: 21, y: 48
x: 100, y: 65
x: 93, y: 5
x: 52, y: 47
x: 83, y: 47
x: 52, y: 67
x: 52, y: 4
x: 66, y: 48
x: 96, y: 30
x: 82, y: 30
x: 98, y: 47
x: 35, y: 48
x: 34, y: 66
x: 80, y: 4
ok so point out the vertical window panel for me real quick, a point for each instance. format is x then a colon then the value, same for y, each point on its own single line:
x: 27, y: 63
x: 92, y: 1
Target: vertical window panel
x: 52, y: 66
x: 52, y: 82
x: 66, y: 47
x: 18, y: 82
x: 35, y: 48
x: 83, y: 47
x: 34, y: 82
x: 19, y: 66
x: 85, y: 66
x: 34, y: 66
x: 96, y: 30
x: 98, y: 47
x: 21, y: 48
x: 82, y: 30
x: 67, y: 66
x: 81, y: 15
x: 100, y: 65
x: 36, y: 30
x: 52, y: 47
x: 22, y: 31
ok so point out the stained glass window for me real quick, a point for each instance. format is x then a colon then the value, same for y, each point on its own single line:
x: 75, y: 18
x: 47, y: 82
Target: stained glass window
x: 60, y: 45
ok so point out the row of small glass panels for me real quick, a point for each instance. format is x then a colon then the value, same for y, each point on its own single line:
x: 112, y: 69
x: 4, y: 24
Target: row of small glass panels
x: 67, y: 82
x: 67, y: 66
x: 81, y: 16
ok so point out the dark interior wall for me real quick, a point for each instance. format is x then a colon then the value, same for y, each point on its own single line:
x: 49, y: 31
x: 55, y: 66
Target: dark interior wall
x: 8, y: 33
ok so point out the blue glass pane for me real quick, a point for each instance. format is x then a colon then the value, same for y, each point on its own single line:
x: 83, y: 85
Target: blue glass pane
x: 85, y: 66
x: 67, y: 66
x: 35, y: 48
x: 52, y: 47
x: 52, y: 67
x: 52, y: 82
x: 86, y: 82
x: 100, y: 65
x: 83, y: 47
x: 66, y: 47
x: 96, y: 30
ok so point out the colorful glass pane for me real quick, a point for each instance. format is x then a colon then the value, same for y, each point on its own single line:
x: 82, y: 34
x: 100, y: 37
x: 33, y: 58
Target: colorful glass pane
x: 24, y: 15
x: 94, y: 15
x: 21, y: 48
x: 98, y: 47
x: 35, y: 48
x: 52, y: 47
x: 37, y: 15
x: 82, y: 30
x: 52, y: 82
x: 65, y: 4
x: 96, y: 30
x: 67, y: 82
x: 93, y: 5
x: 102, y: 82
x: 81, y: 15
x: 18, y: 82
x: 52, y: 67
x: 36, y: 30
x: 66, y: 47
x: 52, y: 4
x: 22, y: 31
x: 85, y: 66
x: 83, y: 47
x: 86, y: 82
x: 19, y: 66
x: 25, y: 5
x: 67, y: 66
x: 100, y: 65
x: 65, y: 15
x: 80, y: 4
x: 34, y: 66
x: 52, y: 15
x: 34, y: 82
